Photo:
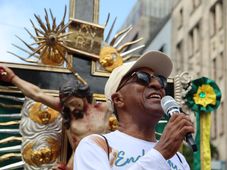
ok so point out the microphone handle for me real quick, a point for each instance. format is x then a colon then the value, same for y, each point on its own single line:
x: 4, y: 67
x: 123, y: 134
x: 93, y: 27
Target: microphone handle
x: 190, y: 140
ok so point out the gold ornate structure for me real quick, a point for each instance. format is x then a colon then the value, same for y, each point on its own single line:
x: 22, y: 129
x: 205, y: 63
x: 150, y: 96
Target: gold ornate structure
x: 41, y: 156
x: 41, y: 129
x: 42, y: 114
x: 86, y: 38
x: 112, y: 54
x: 48, y: 42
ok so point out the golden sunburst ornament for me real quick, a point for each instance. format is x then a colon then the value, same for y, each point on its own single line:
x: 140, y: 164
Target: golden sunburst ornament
x: 48, y: 47
x: 113, y: 55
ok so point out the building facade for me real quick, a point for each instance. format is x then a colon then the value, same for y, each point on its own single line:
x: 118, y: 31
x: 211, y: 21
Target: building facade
x: 162, y: 39
x: 146, y: 18
x: 199, y: 32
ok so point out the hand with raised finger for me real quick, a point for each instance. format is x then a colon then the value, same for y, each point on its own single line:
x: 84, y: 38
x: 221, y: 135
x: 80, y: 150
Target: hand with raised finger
x: 173, y: 135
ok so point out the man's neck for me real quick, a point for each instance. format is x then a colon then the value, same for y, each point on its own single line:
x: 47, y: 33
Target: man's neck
x: 143, y: 133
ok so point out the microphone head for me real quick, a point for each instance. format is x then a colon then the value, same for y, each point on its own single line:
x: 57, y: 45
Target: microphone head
x: 168, y: 103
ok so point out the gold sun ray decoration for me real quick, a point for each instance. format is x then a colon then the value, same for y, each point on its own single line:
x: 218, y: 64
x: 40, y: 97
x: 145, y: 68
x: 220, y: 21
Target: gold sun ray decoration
x: 112, y: 54
x: 48, y: 47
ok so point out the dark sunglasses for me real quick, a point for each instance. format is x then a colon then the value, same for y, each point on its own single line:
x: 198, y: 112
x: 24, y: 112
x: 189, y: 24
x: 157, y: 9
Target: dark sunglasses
x: 144, y: 79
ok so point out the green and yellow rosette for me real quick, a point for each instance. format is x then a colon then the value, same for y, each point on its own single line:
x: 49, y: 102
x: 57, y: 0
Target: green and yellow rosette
x: 203, y: 98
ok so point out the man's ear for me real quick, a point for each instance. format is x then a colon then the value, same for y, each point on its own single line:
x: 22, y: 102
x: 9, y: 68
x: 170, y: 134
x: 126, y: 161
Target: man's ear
x: 117, y: 99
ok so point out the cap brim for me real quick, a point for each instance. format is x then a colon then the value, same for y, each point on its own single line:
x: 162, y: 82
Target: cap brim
x: 159, y: 62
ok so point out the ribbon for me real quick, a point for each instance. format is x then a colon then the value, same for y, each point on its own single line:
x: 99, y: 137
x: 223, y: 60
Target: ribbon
x: 203, y: 98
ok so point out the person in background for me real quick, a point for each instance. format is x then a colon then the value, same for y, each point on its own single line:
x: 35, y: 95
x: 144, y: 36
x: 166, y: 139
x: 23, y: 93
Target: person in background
x: 134, y: 91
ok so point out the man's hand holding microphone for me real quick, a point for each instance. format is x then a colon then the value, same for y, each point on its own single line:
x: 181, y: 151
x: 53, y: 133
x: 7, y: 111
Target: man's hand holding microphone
x: 179, y: 127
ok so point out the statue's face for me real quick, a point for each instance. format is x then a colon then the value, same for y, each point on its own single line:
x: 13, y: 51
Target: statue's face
x: 44, y: 117
x: 74, y: 104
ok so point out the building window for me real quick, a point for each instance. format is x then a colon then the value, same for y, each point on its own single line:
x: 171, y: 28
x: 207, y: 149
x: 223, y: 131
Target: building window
x: 220, y: 63
x: 194, y: 50
x: 219, y: 15
x: 212, y: 22
x: 180, y: 18
x: 179, y: 57
x: 190, y: 44
x: 214, y: 68
x: 194, y: 41
x: 216, y: 18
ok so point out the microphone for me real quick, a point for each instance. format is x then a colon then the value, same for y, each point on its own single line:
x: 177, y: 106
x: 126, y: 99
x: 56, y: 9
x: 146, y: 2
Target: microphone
x: 170, y: 107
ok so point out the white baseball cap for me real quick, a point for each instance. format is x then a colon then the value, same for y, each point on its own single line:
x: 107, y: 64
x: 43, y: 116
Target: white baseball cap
x: 159, y: 62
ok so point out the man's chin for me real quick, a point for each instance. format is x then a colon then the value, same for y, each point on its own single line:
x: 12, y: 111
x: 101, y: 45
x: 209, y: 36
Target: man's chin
x: 157, y: 114
x: 155, y: 110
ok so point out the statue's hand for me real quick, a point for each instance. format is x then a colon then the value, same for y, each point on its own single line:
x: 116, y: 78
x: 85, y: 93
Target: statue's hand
x: 6, y: 74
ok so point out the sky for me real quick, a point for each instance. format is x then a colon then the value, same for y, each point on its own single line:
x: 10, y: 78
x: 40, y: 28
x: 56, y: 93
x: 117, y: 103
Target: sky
x: 16, y: 14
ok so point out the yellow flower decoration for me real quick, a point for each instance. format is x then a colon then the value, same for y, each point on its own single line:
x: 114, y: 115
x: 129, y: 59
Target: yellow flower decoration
x: 205, y: 95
